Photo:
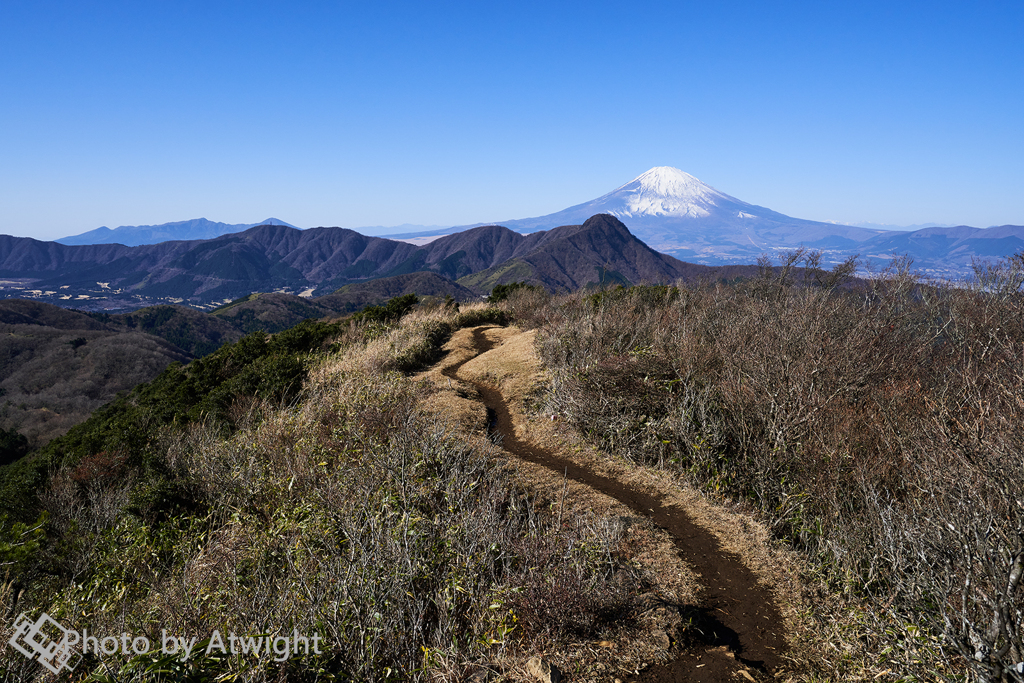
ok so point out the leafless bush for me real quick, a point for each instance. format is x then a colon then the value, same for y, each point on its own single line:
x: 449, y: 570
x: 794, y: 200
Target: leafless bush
x: 879, y: 428
x: 527, y: 306
x: 80, y: 511
x: 555, y: 590
x: 1002, y: 280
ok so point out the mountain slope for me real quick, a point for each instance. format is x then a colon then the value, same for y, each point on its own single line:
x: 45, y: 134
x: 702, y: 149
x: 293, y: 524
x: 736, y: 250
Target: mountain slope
x: 59, y: 365
x: 677, y: 214
x: 270, y: 312
x: 601, y: 251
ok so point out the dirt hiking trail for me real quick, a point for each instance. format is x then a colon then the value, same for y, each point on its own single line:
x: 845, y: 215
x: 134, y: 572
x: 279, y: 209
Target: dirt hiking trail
x: 739, y: 632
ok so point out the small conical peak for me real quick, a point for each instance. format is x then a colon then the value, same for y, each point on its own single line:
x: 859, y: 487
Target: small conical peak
x: 606, y: 222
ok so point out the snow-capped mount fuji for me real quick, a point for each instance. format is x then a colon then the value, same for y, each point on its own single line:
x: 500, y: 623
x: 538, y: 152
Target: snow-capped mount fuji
x: 676, y: 213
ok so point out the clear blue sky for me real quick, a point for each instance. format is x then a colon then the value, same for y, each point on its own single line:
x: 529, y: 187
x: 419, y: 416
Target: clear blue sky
x: 381, y: 113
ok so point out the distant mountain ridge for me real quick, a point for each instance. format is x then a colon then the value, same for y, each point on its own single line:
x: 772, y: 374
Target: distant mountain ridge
x: 318, y: 261
x: 672, y: 211
x: 677, y: 214
x: 138, y: 235
x: 203, y: 229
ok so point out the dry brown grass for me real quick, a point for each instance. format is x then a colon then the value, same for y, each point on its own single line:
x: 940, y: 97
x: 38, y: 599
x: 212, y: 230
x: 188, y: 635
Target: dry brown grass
x: 877, y: 430
x: 367, y: 512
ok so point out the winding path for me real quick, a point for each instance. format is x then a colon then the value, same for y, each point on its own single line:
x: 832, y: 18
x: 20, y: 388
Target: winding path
x: 742, y: 628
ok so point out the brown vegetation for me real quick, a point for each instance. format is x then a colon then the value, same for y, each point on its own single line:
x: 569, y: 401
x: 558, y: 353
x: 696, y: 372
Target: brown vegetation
x: 879, y: 430
x: 52, y: 379
x: 350, y: 514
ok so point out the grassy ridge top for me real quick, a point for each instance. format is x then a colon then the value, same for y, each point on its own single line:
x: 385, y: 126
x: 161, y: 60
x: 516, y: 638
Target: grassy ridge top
x: 292, y: 481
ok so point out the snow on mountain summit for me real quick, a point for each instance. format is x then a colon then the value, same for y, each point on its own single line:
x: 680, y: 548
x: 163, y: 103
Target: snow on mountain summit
x: 663, y: 191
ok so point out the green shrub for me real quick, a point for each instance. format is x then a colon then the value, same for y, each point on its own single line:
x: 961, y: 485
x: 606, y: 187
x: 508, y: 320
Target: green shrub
x: 18, y: 543
x: 390, y: 312
x: 12, y: 446
x: 502, y: 292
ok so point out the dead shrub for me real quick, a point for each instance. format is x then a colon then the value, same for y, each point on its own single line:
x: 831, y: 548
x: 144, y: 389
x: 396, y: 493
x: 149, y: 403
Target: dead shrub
x: 878, y: 427
x: 99, y: 468
x: 563, y: 584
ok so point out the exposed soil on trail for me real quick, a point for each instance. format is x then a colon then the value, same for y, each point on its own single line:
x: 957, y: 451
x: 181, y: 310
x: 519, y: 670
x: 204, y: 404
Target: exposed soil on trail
x: 738, y: 631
